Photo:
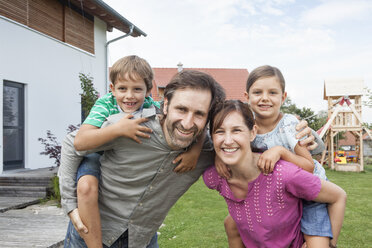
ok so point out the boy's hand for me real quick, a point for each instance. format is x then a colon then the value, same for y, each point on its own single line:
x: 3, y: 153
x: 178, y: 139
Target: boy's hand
x: 305, y: 131
x: 187, y: 162
x: 221, y: 168
x: 131, y: 128
x: 268, y: 159
x: 76, y: 221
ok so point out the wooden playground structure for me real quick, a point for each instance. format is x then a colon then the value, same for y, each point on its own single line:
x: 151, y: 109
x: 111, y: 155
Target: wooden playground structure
x: 344, y: 114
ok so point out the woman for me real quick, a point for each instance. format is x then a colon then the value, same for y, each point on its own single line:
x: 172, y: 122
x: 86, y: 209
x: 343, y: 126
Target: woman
x: 266, y: 209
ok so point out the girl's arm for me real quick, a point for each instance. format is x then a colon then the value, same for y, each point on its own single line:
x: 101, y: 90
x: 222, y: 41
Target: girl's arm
x: 91, y: 137
x: 335, y: 196
x: 301, y: 158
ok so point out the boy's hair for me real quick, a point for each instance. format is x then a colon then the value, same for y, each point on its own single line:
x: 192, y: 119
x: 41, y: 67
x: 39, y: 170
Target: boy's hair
x: 265, y: 71
x: 227, y: 107
x: 132, y: 67
x: 191, y: 79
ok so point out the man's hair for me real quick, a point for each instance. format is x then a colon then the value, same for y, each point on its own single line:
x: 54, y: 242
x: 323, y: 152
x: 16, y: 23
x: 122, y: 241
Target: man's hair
x: 265, y: 71
x: 132, y: 67
x: 196, y: 80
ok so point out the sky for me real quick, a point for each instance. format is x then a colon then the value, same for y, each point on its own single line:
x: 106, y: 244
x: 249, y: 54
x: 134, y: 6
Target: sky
x: 309, y: 41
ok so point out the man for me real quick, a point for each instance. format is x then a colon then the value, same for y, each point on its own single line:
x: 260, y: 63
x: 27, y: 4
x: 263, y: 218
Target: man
x: 138, y: 185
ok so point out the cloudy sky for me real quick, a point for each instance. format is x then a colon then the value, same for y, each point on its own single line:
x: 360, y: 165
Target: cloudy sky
x: 309, y: 41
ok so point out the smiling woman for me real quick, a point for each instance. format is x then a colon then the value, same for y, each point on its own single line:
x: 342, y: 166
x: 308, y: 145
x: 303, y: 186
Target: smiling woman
x: 267, y: 209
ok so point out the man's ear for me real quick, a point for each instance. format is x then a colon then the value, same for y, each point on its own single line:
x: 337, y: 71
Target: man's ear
x: 165, y: 106
x: 253, y: 133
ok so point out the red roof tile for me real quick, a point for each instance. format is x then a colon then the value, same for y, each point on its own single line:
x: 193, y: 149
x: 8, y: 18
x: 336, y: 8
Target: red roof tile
x: 232, y: 80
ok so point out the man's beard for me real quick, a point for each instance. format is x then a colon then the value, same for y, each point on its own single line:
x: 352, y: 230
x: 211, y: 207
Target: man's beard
x: 178, y: 141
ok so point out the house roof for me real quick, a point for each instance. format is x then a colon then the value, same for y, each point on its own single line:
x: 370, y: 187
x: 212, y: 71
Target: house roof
x: 343, y: 87
x: 107, y: 14
x: 232, y: 80
x: 349, y: 139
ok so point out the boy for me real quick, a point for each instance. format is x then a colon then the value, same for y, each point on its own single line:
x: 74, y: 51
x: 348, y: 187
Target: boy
x: 131, y: 79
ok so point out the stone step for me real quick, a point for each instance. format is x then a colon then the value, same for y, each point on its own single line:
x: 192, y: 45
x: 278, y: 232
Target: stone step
x: 25, y: 181
x: 29, y: 191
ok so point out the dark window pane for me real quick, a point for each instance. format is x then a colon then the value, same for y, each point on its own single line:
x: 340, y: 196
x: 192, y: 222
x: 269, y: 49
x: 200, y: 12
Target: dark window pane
x: 12, y: 145
x: 11, y: 106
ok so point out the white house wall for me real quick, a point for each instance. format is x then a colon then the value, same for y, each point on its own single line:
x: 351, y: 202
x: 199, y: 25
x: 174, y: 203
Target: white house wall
x: 49, y: 69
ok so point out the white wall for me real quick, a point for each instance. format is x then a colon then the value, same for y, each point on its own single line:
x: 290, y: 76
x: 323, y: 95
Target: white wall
x: 49, y: 69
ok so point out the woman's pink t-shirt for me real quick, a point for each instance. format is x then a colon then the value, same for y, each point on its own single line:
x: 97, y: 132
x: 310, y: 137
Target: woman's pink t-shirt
x: 270, y: 214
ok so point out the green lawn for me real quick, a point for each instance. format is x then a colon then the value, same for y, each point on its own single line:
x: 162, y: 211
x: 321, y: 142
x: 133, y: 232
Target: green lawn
x: 197, y: 218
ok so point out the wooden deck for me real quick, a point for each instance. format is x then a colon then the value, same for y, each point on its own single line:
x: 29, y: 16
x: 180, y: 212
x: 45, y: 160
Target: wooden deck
x: 35, y: 226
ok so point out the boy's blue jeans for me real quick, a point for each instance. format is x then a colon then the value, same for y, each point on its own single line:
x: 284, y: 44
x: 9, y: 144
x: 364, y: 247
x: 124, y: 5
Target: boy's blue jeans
x: 73, y: 240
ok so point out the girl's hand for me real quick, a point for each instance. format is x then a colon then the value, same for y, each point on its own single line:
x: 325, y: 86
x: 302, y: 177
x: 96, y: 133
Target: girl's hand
x: 268, y: 159
x: 221, y: 168
x: 187, y: 161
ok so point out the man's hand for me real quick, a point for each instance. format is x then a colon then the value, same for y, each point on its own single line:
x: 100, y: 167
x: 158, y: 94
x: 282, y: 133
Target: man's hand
x: 305, y: 131
x: 268, y: 159
x: 131, y: 128
x: 76, y: 221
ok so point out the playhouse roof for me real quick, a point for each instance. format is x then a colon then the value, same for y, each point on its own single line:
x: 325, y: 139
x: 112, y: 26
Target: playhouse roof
x: 343, y: 87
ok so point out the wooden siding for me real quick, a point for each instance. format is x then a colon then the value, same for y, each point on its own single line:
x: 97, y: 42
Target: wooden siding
x: 15, y: 10
x: 79, y: 31
x: 54, y: 19
x: 46, y: 16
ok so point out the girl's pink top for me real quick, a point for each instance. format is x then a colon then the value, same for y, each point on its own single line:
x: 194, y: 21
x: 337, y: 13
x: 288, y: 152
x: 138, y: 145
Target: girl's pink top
x: 270, y: 214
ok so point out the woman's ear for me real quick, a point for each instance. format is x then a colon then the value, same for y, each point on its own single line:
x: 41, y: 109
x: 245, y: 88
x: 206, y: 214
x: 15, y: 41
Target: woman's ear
x: 253, y: 133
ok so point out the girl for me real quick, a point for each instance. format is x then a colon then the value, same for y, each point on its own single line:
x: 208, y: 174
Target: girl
x: 267, y: 209
x: 265, y: 92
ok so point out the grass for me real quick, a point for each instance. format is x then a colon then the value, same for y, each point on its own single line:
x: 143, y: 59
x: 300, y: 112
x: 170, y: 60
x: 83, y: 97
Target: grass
x: 197, y: 218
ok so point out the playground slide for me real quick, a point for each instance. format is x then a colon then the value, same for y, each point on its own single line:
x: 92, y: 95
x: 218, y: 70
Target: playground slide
x: 340, y: 160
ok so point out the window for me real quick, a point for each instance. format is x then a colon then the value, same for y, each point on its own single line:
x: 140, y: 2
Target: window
x: 13, y: 125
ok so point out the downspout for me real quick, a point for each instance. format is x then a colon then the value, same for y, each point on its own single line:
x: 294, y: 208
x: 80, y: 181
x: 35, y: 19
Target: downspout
x: 106, y: 53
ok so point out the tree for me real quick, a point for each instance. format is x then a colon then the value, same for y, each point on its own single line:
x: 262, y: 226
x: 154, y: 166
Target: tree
x: 315, y: 121
x: 89, y: 95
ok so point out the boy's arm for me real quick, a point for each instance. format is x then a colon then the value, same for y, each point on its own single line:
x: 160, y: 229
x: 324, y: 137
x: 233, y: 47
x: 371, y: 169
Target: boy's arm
x: 301, y: 158
x: 187, y: 160
x: 91, y: 137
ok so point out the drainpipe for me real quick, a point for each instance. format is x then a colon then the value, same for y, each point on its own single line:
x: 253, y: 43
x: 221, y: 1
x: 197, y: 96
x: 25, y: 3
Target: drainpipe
x: 106, y: 53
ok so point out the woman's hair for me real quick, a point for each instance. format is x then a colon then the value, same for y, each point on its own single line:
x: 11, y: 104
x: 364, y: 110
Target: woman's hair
x: 227, y: 107
x: 265, y: 71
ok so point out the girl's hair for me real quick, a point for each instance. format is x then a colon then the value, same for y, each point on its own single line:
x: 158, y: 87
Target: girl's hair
x: 265, y: 71
x: 227, y: 107
x: 131, y: 67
